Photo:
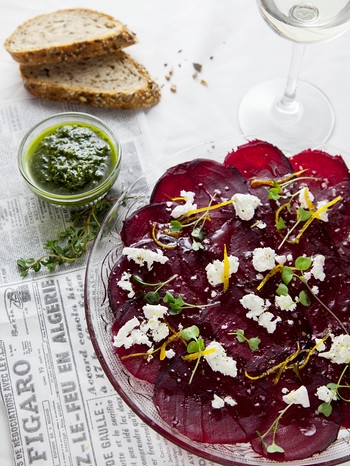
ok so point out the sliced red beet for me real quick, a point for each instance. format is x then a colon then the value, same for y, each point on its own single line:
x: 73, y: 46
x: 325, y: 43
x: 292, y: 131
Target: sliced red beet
x: 188, y: 407
x: 259, y: 159
x: 204, y: 177
x: 302, y: 432
x: 331, y: 178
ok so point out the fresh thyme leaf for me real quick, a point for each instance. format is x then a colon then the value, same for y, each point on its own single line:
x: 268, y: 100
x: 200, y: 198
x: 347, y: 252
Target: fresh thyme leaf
x: 70, y: 244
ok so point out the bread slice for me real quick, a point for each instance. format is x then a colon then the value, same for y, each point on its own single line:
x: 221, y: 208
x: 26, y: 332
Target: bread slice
x: 67, y: 35
x: 111, y: 81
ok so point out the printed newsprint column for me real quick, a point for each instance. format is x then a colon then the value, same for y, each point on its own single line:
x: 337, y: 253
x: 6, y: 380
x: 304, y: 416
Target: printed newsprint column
x: 62, y: 410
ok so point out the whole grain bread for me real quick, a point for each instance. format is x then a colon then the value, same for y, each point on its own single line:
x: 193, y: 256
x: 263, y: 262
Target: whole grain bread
x: 110, y: 80
x: 67, y: 35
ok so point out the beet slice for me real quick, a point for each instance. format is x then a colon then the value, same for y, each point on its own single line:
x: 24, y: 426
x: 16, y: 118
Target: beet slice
x: 202, y: 176
x: 188, y: 407
x: 302, y: 432
x: 331, y: 178
x: 259, y: 159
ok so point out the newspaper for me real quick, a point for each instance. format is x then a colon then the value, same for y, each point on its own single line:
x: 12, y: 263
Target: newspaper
x: 61, y: 408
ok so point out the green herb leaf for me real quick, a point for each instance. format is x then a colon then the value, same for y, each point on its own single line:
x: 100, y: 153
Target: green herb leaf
x: 325, y: 409
x: 303, y: 214
x: 190, y: 333
x: 152, y: 297
x: 274, y: 448
x: 282, y: 290
x: 175, y: 226
x: 304, y: 298
x: 281, y: 225
x: 303, y: 263
x: 287, y: 275
x: 254, y: 343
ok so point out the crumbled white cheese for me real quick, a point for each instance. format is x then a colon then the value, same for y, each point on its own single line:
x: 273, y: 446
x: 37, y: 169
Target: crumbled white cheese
x: 254, y: 304
x: 322, y: 346
x: 230, y: 401
x: 143, y: 255
x: 170, y: 353
x: 263, y: 259
x: 135, y: 332
x: 189, y: 205
x: 339, y: 351
x: 285, y: 303
x: 317, y: 267
x: 261, y: 225
x: 219, y: 361
x: 323, y: 215
x: 299, y: 396
x: 257, y: 311
x: 326, y: 394
x: 217, y: 402
x: 266, y: 320
x: 215, y: 270
x: 125, y: 284
x: 129, y: 335
x: 245, y: 205
x: 281, y: 259
x: 303, y: 196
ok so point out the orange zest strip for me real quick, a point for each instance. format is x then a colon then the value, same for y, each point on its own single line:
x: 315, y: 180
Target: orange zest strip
x: 226, y: 272
x: 194, y: 356
x: 159, y: 243
x: 308, y: 201
x: 267, y: 277
x: 316, y: 215
x: 280, y: 368
x: 162, y: 355
x: 312, y: 350
x: 208, y: 208
x: 257, y: 182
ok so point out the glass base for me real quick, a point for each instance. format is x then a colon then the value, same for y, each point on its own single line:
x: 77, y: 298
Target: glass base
x: 311, y: 119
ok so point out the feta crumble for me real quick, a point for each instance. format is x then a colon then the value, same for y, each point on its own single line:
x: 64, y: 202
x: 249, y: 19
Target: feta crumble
x: 264, y: 259
x: 189, y: 205
x: 215, y: 270
x: 125, y: 284
x: 299, y: 396
x: 245, y: 205
x: 219, y: 361
x: 326, y: 394
x: 135, y: 332
x: 266, y: 320
x: 339, y: 351
x: 323, y: 215
x: 285, y: 303
x: 141, y: 256
x: 218, y: 402
x: 254, y: 304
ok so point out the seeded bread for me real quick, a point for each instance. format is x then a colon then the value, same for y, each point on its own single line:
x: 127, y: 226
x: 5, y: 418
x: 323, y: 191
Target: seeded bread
x: 67, y: 35
x: 111, y: 81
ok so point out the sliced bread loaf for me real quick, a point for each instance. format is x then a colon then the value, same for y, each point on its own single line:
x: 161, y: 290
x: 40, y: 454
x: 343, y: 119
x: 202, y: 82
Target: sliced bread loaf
x: 67, y: 34
x: 111, y: 81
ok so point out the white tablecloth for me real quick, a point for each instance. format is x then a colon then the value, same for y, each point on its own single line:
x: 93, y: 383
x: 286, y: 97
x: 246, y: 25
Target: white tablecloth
x: 236, y: 50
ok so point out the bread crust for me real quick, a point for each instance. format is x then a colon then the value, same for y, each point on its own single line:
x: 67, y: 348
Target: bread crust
x: 42, y: 81
x: 114, y: 37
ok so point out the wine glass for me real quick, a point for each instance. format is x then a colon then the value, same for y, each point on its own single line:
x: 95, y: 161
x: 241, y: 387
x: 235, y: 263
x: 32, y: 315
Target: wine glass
x: 293, y: 108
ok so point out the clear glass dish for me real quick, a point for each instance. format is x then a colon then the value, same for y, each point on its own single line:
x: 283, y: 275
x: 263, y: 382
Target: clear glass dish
x: 138, y: 394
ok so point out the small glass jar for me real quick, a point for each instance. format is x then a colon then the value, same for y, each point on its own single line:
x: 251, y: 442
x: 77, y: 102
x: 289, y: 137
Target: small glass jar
x: 58, y: 173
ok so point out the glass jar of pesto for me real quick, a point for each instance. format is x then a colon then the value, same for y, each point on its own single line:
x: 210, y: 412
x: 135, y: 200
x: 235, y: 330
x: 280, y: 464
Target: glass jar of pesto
x: 70, y: 159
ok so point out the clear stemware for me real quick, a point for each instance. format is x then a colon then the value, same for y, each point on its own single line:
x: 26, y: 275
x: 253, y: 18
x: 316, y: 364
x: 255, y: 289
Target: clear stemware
x: 291, y: 108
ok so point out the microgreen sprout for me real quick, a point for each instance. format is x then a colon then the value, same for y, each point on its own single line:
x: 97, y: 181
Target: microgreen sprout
x: 273, y: 447
x: 195, y: 345
x: 175, y: 304
x: 70, y: 244
x: 252, y: 342
x: 325, y: 408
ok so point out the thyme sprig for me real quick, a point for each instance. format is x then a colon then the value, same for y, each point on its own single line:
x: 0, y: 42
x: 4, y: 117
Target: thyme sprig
x: 70, y: 244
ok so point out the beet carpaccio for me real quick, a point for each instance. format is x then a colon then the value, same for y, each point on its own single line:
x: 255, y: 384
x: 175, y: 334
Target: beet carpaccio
x: 231, y: 299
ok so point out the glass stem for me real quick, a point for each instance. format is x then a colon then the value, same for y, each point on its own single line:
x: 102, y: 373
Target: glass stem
x: 289, y: 103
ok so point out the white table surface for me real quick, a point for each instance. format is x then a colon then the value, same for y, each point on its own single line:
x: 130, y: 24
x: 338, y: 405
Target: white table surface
x: 236, y: 50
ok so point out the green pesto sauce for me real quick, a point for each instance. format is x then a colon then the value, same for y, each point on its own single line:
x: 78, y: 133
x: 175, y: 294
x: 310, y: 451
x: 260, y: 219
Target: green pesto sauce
x: 71, y: 158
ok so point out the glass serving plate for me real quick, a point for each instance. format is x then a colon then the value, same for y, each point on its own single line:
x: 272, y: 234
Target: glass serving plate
x: 137, y: 394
